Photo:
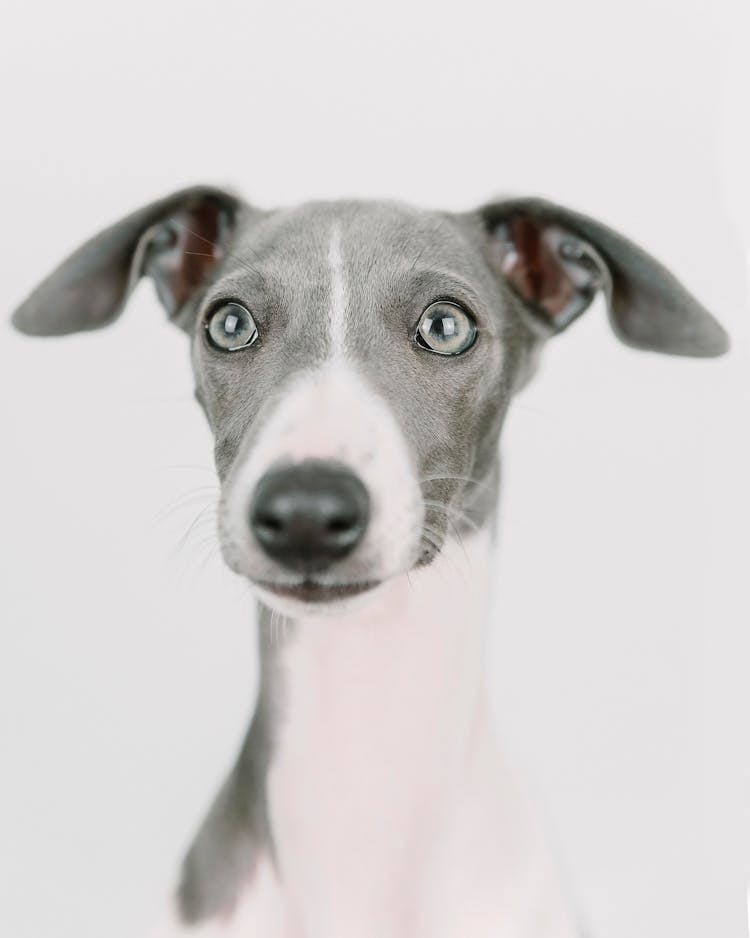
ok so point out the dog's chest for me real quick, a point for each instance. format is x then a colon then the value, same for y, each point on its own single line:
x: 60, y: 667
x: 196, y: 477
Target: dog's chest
x: 387, y: 813
x: 375, y: 712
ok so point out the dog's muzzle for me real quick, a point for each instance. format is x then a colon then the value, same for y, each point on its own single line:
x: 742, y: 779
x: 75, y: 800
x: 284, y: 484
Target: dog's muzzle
x: 308, y: 515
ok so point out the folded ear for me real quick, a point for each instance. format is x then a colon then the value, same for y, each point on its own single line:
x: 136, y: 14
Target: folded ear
x: 556, y: 260
x: 175, y: 241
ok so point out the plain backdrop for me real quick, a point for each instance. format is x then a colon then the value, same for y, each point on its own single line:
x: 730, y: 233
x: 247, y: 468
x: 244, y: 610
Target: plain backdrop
x: 620, y: 648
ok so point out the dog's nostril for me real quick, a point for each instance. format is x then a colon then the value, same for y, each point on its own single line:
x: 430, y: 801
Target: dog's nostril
x: 270, y: 523
x: 340, y: 525
x: 307, y: 516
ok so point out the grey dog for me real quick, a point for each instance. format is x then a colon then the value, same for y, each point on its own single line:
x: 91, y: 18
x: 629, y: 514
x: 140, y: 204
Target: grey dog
x: 355, y: 362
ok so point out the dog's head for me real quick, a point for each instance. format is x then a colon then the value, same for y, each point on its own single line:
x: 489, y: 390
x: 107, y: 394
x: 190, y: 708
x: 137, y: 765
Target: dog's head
x: 356, y: 360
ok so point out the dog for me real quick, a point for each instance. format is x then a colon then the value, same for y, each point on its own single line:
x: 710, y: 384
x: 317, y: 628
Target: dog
x: 355, y: 362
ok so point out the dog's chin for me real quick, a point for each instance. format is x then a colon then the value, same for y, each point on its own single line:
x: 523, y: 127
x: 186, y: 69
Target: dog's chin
x: 311, y: 598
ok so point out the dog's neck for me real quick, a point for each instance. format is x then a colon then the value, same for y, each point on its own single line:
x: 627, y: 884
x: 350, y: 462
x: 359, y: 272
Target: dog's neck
x: 368, y: 798
x: 378, y: 716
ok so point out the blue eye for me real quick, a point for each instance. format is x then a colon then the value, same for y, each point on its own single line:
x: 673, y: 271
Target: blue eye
x: 230, y: 327
x: 446, y: 329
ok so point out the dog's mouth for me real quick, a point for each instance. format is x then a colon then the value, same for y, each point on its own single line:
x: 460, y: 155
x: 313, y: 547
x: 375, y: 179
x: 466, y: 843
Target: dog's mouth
x: 311, y: 591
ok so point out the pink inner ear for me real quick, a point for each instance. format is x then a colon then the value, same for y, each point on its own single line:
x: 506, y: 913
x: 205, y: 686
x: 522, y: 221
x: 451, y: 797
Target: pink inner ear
x: 528, y: 254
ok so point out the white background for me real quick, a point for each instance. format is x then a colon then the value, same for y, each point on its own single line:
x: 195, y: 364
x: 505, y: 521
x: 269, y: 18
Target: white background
x: 620, y: 645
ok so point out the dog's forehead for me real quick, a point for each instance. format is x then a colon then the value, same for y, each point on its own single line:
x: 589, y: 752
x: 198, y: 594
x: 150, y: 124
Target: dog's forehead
x: 372, y: 239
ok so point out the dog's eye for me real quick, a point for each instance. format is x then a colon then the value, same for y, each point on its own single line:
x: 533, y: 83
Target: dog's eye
x: 230, y: 327
x: 446, y: 329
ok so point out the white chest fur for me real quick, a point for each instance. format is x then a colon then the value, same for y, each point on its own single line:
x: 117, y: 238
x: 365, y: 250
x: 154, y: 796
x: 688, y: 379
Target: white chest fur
x: 391, y: 816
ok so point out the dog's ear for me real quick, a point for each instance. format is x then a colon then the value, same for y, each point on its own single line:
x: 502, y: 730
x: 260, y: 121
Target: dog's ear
x: 175, y: 241
x: 556, y: 260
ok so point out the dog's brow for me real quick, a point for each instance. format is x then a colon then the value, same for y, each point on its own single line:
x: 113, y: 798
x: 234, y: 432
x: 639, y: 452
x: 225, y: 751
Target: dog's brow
x: 446, y: 282
x: 427, y: 243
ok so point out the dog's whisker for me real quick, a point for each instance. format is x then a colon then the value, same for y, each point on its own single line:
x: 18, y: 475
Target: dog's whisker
x: 459, y: 539
x: 213, y: 550
x: 437, y: 535
x: 182, y: 503
x: 208, y: 552
x: 183, y: 540
x: 459, y: 478
x: 452, y: 511
x: 196, y: 490
x: 207, y: 521
x: 234, y: 257
x: 443, y: 555
x: 200, y: 553
x: 456, y: 532
x: 211, y: 539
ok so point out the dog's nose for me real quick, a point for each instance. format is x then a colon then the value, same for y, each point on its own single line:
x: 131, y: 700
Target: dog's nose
x: 310, y: 514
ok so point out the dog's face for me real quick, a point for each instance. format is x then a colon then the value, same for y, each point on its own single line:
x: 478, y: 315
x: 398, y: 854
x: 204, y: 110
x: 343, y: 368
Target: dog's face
x: 356, y: 361
x: 375, y: 347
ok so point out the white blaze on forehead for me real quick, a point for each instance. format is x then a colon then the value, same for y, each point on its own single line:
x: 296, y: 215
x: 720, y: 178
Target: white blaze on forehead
x: 339, y: 296
x: 333, y: 414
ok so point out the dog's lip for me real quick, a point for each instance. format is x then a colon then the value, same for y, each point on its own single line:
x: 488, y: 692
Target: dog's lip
x: 311, y: 591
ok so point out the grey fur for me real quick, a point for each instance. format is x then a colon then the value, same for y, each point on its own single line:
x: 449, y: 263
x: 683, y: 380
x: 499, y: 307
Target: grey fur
x: 398, y: 260
x: 236, y: 829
